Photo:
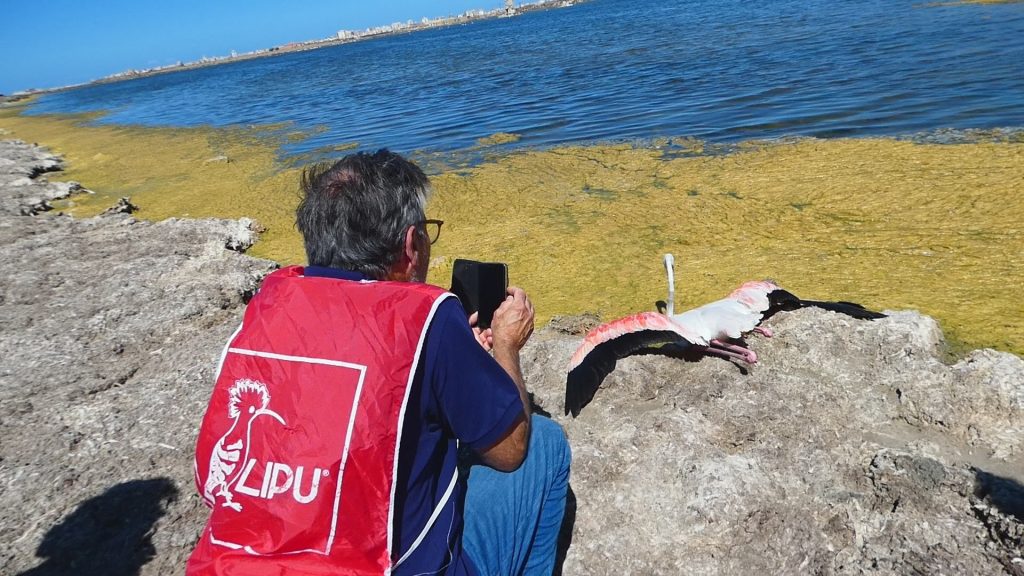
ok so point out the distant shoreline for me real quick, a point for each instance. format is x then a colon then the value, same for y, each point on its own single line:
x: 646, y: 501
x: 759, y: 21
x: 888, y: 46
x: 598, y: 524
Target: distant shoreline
x: 368, y: 34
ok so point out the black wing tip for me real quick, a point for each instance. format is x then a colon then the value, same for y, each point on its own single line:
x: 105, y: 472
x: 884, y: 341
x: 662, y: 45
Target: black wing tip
x: 851, y: 309
x: 781, y: 300
x: 580, y: 389
x: 583, y: 381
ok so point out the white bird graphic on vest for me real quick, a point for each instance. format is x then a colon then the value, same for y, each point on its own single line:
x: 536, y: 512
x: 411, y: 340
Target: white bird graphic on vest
x: 250, y: 398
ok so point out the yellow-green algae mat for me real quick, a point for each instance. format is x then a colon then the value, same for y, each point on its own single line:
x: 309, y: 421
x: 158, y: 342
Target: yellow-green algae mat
x: 890, y: 224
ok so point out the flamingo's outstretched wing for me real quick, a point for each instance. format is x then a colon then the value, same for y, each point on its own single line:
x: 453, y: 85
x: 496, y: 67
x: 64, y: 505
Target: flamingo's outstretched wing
x: 782, y: 300
x: 606, y: 344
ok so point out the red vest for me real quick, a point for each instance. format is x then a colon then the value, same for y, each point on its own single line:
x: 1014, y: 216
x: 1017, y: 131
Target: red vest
x: 298, y: 451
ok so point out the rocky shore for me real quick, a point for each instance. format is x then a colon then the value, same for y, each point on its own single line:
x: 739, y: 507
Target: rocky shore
x: 852, y: 447
x: 110, y: 334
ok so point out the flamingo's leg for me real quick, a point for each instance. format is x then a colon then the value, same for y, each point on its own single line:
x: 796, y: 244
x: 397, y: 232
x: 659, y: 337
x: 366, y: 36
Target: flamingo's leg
x: 766, y: 332
x: 749, y: 355
x: 727, y: 354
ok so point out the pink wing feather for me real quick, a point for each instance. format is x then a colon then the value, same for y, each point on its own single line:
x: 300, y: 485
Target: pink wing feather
x: 629, y: 324
x: 754, y: 294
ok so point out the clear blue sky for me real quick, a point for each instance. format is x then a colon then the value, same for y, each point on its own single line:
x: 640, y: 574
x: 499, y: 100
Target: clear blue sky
x: 47, y: 43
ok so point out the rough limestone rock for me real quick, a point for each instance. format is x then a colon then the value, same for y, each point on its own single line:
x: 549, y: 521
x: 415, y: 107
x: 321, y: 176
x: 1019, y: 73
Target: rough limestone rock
x: 110, y: 335
x: 26, y: 192
x: 123, y: 206
x: 851, y: 448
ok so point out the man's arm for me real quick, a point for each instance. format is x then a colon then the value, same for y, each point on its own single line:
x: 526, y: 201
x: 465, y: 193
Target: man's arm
x: 510, y: 329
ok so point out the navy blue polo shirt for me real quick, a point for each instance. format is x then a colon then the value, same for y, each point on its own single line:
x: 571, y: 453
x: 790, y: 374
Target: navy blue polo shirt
x: 459, y: 392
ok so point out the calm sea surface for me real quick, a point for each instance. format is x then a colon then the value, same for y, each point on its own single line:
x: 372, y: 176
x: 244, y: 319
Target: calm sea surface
x: 613, y: 70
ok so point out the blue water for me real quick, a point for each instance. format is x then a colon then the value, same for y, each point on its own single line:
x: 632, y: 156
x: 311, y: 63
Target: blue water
x: 615, y: 70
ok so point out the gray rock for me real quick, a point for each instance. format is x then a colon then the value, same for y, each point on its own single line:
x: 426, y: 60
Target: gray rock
x: 577, y: 325
x: 111, y: 331
x: 851, y: 448
x: 25, y: 191
x: 124, y: 206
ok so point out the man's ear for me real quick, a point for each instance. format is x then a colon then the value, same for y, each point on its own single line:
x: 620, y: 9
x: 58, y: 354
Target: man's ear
x: 410, y: 254
x: 405, y: 268
x: 410, y: 250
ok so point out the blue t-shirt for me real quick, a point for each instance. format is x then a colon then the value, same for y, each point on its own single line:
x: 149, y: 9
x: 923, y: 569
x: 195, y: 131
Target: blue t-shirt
x: 459, y: 392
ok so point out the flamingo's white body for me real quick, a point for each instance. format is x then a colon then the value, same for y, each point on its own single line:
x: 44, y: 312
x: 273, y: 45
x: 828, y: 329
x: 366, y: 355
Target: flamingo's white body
x: 706, y: 326
x: 706, y: 329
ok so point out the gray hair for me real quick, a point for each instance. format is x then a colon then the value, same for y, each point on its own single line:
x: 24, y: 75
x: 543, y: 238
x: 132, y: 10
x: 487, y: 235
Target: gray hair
x: 353, y: 214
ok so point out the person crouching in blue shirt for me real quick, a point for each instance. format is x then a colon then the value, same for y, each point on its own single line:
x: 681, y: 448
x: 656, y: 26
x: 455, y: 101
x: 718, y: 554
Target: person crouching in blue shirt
x: 425, y: 382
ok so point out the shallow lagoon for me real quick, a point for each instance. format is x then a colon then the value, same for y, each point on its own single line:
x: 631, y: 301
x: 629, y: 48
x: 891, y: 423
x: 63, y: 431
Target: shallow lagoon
x: 613, y: 70
x: 885, y: 222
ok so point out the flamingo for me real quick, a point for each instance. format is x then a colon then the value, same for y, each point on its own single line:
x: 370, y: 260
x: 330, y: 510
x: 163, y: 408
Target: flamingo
x: 706, y: 330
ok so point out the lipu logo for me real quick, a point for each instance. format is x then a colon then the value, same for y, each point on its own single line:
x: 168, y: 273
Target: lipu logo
x: 279, y: 432
x: 277, y: 479
x: 248, y: 401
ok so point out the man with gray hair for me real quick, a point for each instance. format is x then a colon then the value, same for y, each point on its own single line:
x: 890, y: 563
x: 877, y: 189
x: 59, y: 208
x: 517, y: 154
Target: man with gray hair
x: 331, y: 443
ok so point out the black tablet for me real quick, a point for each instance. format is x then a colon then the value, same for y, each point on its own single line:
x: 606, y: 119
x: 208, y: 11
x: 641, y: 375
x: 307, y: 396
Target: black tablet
x: 481, y: 287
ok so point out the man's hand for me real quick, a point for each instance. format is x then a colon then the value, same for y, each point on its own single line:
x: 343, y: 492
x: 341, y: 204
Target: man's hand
x: 510, y: 329
x: 484, y: 337
x: 513, y: 322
